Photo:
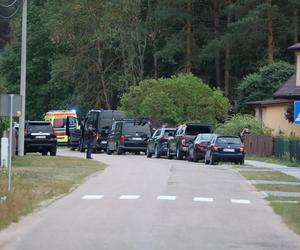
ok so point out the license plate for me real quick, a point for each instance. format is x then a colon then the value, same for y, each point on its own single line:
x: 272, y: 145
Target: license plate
x: 228, y: 150
x: 103, y: 142
x: 40, y: 137
x: 136, y: 139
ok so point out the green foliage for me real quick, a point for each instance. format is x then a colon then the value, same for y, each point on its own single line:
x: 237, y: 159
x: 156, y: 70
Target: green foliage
x: 237, y: 123
x: 175, y: 100
x: 261, y: 85
x: 4, y: 124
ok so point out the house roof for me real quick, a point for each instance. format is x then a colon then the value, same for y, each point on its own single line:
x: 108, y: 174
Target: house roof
x: 288, y: 90
x: 294, y: 47
x: 270, y: 102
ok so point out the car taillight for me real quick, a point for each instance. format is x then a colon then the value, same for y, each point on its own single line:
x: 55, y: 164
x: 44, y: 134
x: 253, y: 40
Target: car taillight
x: 242, y: 149
x: 214, y: 148
x: 163, y: 138
x: 122, y: 138
x: 97, y: 136
x: 201, y: 145
x: 183, y: 141
x: 26, y: 131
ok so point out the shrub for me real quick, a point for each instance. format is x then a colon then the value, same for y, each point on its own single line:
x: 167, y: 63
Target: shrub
x: 175, y: 100
x: 237, y: 123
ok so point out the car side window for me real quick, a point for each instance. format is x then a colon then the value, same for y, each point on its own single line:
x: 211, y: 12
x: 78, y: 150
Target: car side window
x: 113, y: 128
x: 118, y: 127
x: 178, y: 132
x: 158, y: 132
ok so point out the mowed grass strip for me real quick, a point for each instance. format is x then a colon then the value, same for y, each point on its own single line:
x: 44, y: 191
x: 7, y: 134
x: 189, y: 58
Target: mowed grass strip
x: 39, y: 178
x: 277, y: 187
x: 290, y: 213
x: 268, y: 176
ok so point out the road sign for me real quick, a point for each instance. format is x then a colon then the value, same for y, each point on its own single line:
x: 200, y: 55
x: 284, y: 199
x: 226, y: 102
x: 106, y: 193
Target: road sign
x: 297, y: 112
x: 5, y: 105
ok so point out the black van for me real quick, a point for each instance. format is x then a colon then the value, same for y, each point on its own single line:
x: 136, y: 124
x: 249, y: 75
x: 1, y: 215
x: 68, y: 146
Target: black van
x: 129, y: 135
x: 101, y: 121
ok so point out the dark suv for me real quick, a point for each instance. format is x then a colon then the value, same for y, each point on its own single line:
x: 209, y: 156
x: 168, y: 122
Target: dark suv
x: 39, y: 137
x: 185, y: 135
x: 157, y: 144
x: 129, y: 135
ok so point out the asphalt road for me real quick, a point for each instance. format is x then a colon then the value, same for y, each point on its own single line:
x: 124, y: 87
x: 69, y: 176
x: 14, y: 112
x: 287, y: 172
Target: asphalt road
x: 153, y: 204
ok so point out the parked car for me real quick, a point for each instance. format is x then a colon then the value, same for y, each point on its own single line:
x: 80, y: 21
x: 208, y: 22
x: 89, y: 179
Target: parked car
x: 226, y: 149
x: 184, y: 136
x: 129, y: 135
x: 197, y: 149
x: 39, y: 137
x: 157, y: 144
x: 101, y: 121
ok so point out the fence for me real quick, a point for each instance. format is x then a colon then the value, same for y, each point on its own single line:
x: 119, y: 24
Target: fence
x: 282, y: 148
x: 258, y: 145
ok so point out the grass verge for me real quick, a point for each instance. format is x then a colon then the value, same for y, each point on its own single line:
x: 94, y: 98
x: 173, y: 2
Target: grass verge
x: 268, y: 176
x: 272, y: 159
x: 39, y: 178
x: 289, y: 212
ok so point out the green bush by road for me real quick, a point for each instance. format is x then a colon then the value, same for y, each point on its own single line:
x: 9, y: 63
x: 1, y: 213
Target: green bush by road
x: 38, y: 178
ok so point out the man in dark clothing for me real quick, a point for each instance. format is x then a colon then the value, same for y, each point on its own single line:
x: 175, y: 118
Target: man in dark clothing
x: 90, y: 139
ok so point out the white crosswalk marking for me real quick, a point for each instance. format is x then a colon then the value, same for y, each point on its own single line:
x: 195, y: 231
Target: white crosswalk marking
x: 92, y: 197
x: 238, y: 201
x: 169, y: 198
x: 203, y: 199
x: 129, y: 197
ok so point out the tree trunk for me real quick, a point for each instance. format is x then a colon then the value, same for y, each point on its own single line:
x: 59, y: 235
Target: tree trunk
x: 227, y: 64
x: 188, y: 63
x: 227, y: 71
x: 216, y: 14
x: 270, y: 49
x: 295, y: 29
x: 102, y: 80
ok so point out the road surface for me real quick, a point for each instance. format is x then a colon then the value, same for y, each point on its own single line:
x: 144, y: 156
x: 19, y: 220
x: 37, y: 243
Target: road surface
x: 154, y: 204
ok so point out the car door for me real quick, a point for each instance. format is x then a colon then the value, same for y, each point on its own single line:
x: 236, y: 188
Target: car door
x: 151, y: 141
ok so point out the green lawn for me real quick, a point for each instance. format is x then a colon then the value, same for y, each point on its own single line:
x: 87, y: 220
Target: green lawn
x: 289, y: 212
x: 272, y: 159
x: 38, y: 178
x: 268, y: 175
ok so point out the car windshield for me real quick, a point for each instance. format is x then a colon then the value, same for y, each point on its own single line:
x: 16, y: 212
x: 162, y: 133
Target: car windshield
x: 40, y: 127
x: 195, y: 130
x: 228, y: 140
x: 133, y: 129
x: 205, y: 137
x: 169, y: 133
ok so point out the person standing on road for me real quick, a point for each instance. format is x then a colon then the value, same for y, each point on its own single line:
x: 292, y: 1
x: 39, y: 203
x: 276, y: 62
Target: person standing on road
x: 90, y: 140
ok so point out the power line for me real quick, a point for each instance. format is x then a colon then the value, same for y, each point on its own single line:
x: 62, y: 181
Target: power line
x: 9, y: 5
x: 12, y: 15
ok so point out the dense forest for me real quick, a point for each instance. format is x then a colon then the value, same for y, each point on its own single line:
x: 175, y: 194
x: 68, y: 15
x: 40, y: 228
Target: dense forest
x: 86, y: 54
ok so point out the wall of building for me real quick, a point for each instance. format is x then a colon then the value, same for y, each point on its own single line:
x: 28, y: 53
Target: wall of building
x: 273, y: 117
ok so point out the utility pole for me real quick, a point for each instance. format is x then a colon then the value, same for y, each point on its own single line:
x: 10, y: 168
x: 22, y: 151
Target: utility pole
x: 23, y: 80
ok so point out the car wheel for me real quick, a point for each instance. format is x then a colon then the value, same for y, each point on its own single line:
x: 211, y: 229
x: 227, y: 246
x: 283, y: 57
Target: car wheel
x: 206, y: 161
x: 81, y: 148
x: 148, y: 154
x: 53, y: 152
x: 211, y: 161
x: 156, y: 152
x: 170, y: 157
x: 108, y: 151
x: 119, y: 151
x: 179, y: 154
x: 195, y: 158
x: 188, y: 157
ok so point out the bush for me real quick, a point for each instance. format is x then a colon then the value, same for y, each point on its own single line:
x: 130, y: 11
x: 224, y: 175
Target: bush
x: 261, y: 85
x: 176, y: 100
x: 237, y: 123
